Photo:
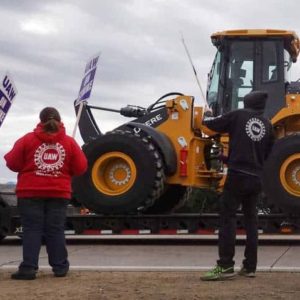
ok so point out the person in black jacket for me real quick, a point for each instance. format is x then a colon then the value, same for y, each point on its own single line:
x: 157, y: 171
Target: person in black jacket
x: 250, y: 142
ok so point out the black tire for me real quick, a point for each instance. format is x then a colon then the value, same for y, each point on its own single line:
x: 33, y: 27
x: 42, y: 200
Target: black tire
x: 173, y: 198
x: 282, y: 174
x: 125, y: 174
x: 3, y: 221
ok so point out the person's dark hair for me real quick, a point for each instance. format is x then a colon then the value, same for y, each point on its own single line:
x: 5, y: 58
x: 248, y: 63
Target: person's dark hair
x: 50, y: 118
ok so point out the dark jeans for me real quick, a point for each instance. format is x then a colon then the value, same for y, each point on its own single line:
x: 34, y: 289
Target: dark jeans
x: 244, y: 190
x: 43, y: 218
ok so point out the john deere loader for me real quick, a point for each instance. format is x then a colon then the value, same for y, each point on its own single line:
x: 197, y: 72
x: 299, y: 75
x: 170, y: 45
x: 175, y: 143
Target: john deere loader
x: 150, y: 163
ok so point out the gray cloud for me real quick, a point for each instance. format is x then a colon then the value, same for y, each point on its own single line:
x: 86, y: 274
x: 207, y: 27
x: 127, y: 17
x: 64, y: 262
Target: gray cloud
x: 45, y: 45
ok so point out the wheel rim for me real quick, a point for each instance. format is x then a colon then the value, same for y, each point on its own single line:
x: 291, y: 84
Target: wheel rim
x: 290, y: 174
x: 114, y: 173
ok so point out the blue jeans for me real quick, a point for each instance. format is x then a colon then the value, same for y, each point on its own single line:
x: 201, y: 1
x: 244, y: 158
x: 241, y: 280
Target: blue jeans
x: 43, y: 218
x: 244, y: 190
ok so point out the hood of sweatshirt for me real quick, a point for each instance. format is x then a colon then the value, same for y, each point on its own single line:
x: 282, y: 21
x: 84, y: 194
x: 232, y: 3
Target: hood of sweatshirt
x: 49, y: 137
x: 256, y: 100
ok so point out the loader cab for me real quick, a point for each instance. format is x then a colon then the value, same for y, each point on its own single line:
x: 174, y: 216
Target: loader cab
x: 245, y: 61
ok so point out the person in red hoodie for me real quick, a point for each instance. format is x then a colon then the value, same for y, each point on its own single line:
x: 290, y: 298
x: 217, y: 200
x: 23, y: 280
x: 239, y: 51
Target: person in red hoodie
x: 45, y: 159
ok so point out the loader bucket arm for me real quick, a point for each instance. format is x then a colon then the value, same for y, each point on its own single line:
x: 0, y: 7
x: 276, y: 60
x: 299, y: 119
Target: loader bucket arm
x: 87, y: 125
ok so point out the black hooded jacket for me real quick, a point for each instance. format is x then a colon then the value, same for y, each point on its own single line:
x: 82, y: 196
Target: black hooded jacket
x: 250, y: 134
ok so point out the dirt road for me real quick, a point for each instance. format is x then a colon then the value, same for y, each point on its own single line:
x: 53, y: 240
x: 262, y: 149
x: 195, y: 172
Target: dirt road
x: 149, y: 285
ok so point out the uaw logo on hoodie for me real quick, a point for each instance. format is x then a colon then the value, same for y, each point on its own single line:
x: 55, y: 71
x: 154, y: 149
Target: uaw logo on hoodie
x: 49, y: 159
x: 255, y: 129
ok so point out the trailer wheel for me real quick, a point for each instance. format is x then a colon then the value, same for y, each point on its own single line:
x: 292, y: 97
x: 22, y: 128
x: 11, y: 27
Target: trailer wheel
x: 125, y: 174
x: 4, y: 219
x: 173, y: 198
x: 282, y: 174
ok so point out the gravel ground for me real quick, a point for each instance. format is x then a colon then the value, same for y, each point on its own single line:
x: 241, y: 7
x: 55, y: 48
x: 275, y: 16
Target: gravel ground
x: 149, y: 285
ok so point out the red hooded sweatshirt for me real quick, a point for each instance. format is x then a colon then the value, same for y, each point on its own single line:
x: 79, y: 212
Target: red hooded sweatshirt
x: 45, y: 163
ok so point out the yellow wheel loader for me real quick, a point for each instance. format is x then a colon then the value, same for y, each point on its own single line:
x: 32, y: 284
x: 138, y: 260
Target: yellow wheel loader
x: 151, y: 163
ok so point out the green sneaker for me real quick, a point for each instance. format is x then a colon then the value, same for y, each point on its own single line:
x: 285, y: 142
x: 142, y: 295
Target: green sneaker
x: 218, y: 273
x: 244, y: 272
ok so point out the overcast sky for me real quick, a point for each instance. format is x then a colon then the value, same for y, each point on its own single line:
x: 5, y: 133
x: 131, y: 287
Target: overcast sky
x: 46, y: 44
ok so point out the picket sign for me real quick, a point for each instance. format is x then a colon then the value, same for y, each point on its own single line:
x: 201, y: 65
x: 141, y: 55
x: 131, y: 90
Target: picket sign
x: 86, y: 87
x: 8, y: 93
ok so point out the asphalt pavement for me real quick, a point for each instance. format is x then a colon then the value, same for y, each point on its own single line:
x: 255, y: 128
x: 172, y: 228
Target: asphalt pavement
x: 160, y: 254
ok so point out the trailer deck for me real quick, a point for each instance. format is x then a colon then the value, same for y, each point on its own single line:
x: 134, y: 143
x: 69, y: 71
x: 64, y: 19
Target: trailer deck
x: 82, y: 221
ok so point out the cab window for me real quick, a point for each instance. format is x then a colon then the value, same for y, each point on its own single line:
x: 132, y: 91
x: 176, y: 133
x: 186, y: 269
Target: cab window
x: 270, y: 62
x: 240, y: 70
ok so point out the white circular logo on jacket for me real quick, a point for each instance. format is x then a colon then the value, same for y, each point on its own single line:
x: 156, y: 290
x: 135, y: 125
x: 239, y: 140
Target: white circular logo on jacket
x: 49, y: 158
x: 255, y: 129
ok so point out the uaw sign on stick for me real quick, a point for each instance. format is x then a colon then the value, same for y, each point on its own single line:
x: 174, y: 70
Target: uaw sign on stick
x: 86, y: 87
x: 88, y: 79
x: 8, y: 92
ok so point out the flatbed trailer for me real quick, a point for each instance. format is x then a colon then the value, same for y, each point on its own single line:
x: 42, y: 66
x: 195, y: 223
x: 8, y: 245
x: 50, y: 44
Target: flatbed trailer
x: 81, y: 221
